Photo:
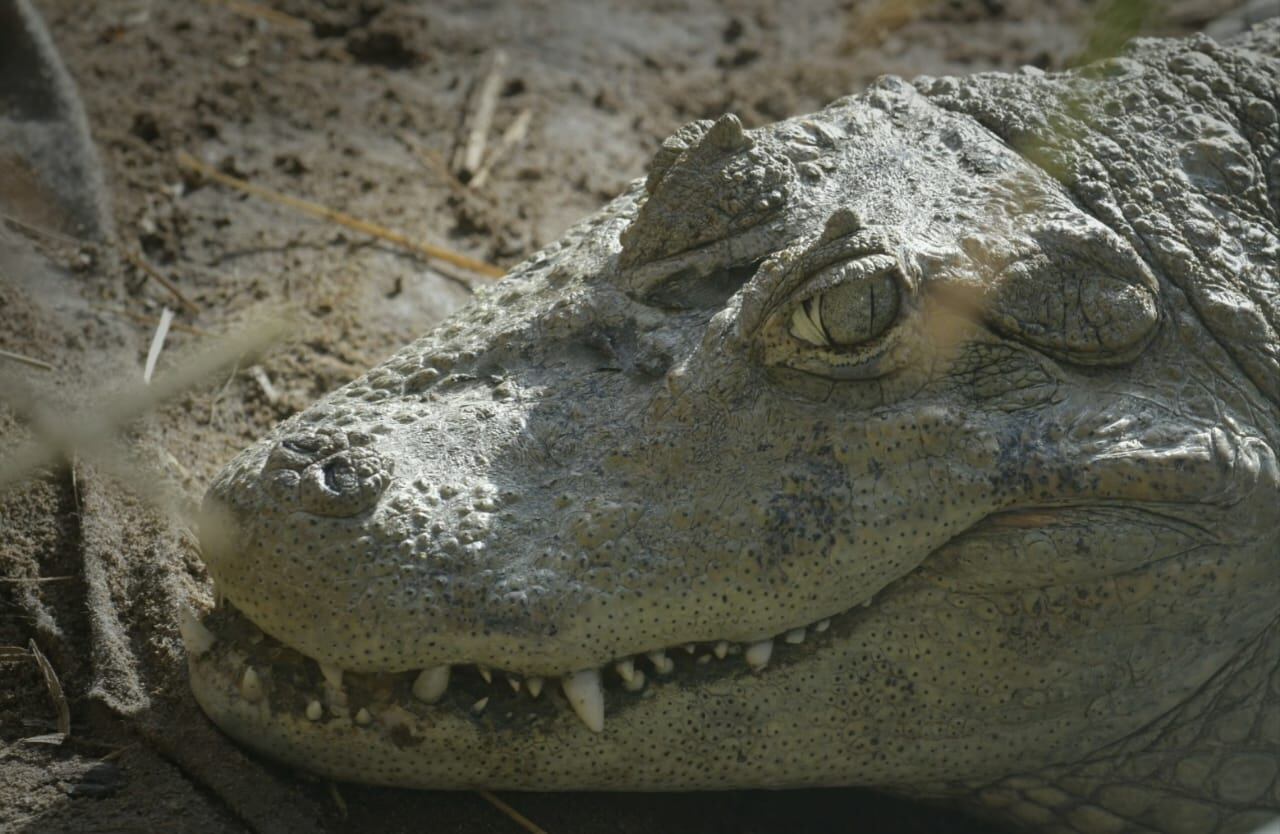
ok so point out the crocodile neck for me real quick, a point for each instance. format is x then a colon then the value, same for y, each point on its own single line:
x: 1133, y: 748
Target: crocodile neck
x: 1221, y: 747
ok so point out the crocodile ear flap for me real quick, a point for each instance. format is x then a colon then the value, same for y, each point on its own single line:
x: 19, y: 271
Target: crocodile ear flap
x: 1085, y: 296
x: 727, y: 135
x: 842, y: 223
x: 723, y: 136
x: 672, y: 147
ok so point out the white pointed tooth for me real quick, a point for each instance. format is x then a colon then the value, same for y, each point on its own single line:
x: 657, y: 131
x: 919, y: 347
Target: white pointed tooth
x: 662, y: 664
x: 626, y: 669
x: 794, y: 636
x: 314, y: 711
x: 758, y: 654
x: 332, y: 674
x: 690, y: 648
x: 704, y: 659
x: 535, y: 686
x: 485, y: 673
x: 636, y: 683
x: 430, y: 685
x: 721, y: 650
x: 586, y: 697
x: 363, y: 717
x: 478, y: 706
x: 821, y: 626
x: 251, y: 685
x: 198, y: 639
x: 515, y: 683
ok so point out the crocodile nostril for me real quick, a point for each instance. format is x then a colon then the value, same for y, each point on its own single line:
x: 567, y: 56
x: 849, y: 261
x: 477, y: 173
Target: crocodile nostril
x: 345, y: 483
x: 340, y: 476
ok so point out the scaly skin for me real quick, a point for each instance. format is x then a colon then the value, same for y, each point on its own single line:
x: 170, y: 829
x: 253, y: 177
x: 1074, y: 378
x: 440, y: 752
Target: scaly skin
x: 962, y: 391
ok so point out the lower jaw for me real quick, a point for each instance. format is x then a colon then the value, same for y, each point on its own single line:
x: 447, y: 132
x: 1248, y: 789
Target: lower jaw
x: 708, y: 724
x: 453, y: 749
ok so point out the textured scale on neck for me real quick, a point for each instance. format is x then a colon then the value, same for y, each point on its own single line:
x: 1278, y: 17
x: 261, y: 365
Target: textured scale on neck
x: 1210, y: 767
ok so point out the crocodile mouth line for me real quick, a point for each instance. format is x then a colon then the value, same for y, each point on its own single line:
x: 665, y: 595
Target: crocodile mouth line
x: 256, y: 667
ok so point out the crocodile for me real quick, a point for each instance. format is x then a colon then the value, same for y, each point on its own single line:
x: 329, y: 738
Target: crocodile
x: 926, y: 442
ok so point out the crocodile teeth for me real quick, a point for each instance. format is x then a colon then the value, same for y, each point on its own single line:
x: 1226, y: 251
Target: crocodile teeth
x: 586, y: 697
x: 332, y: 674
x: 430, y: 685
x: 478, y: 706
x: 721, y: 650
x: 636, y: 683
x: 515, y: 683
x: 626, y: 669
x: 314, y: 711
x: 485, y: 673
x: 251, y: 685
x: 795, y: 636
x: 690, y: 648
x: 662, y: 664
x: 821, y: 626
x: 535, y: 686
x: 363, y: 717
x: 198, y: 639
x: 758, y: 654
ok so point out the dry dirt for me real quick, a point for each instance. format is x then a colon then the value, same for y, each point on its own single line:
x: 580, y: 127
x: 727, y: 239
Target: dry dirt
x: 356, y: 105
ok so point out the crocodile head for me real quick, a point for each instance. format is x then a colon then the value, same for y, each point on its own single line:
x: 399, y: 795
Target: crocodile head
x: 850, y: 450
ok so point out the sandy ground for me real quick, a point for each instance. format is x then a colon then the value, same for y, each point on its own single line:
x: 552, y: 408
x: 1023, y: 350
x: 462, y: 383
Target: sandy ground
x: 357, y: 105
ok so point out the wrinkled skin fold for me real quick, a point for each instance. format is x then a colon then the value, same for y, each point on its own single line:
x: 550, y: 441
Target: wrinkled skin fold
x: 925, y: 442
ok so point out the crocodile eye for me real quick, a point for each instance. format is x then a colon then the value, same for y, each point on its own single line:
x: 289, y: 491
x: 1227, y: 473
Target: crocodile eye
x: 858, y: 306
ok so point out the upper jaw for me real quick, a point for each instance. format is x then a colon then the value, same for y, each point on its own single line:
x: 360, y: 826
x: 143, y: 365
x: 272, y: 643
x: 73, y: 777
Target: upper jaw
x: 250, y: 665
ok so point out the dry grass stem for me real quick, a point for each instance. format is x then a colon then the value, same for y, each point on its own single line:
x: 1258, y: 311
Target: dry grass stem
x: 323, y: 212
x: 434, y: 162
x: 264, y: 382
x: 260, y: 12
x: 516, y: 817
x: 478, y: 118
x: 39, y: 364
x: 141, y: 263
x: 31, y: 580
x: 157, y: 344
x: 337, y: 799
x: 55, y: 690
x: 94, y: 433
x: 512, y: 136
x: 152, y: 321
x: 40, y: 231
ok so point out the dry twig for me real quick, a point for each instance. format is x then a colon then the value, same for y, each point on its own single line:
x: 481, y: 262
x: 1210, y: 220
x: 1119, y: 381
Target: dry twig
x: 141, y: 263
x: 334, y: 216
x: 157, y: 344
x: 152, y: 321
x: 512, y: 136
x: 26, y: 360
x: 516, y: 817
x: 254, y: 10
x: 55, y: 690
x: 33, y: 580
x: 479, y: 118
x: 337, y: 799
x: 264, y: 382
